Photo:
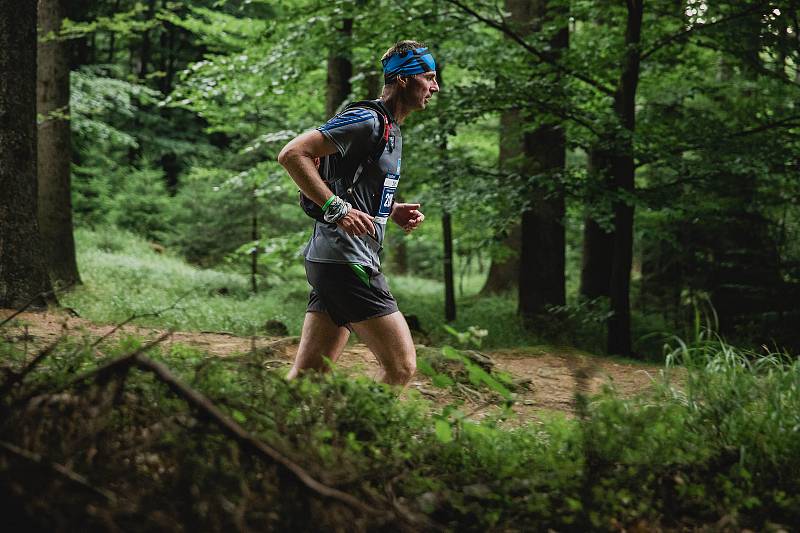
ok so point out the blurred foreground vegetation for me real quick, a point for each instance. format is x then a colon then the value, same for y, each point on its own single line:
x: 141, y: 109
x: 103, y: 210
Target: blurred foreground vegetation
x: 102, y: 438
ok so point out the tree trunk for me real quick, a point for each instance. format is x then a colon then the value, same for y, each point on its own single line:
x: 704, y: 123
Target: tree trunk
x: 340, y: 68
x: 254, y: 237
x: 55, y: 149
x: 542, y: 255
x: 400, y: 254
x: 372, y: 84
x: 146, y: 46
x: 167, y: 46
x: 504, y: 271
x: 623, y: 171
x: 449, y: 285
x: 447, y: 225
x: 598, y: 242
x: 81, y: 50
x: 23, y: 276
x: 542, y: 258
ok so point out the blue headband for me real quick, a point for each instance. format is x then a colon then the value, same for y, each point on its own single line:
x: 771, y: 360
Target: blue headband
x: 407, y: 64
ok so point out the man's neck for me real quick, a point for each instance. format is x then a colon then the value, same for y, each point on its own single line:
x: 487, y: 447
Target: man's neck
x: 394, y: 104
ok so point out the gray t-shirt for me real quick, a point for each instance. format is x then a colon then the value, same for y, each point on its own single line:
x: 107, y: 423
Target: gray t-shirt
x: 356, y: 134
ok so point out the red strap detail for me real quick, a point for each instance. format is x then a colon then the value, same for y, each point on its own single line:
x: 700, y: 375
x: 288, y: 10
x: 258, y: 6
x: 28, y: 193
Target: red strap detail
x: 387, y: 129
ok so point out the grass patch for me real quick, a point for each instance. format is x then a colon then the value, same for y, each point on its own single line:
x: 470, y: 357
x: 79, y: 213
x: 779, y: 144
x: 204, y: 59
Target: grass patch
x: 123, y: 275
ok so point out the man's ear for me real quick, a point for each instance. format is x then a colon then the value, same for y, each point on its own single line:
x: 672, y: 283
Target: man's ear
x: 402, y: 81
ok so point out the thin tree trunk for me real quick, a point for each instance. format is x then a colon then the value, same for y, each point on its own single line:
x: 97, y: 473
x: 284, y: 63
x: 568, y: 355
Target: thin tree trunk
x: 167, y: 58
x: 55, y: 149
x: 112, y: 36
x: 623, y: 170
x: 542, y: 255
x: 146, y: 46
x: 400, y: 254
x: 23, y: 276
x: 256, y: 246
x: 447, y: 226
x: 340, y: 68
x: 449, y: 285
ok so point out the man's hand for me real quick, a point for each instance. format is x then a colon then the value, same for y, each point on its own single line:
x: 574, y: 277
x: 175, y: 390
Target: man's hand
x: 357, y: 223
x: 407, y: 216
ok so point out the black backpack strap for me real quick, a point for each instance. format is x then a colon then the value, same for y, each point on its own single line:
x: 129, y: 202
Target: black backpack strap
x: 385, y: 129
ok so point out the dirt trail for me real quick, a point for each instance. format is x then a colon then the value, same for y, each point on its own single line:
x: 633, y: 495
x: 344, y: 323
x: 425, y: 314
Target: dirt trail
x: 555, y: 375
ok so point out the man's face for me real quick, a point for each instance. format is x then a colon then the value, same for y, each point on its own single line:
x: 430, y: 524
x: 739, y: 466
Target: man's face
x: 420, y: 89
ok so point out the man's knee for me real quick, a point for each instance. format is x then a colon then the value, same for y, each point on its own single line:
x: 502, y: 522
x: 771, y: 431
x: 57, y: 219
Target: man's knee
x: 405, y: 369
x: 408, y: 369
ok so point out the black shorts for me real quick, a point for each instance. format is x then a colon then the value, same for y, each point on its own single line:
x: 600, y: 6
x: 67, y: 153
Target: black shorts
x: 346, y: 297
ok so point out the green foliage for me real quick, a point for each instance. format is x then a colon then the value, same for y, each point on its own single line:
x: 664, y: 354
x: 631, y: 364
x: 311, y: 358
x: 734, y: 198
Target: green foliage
x: 141, y: 205
x: 722, y: 441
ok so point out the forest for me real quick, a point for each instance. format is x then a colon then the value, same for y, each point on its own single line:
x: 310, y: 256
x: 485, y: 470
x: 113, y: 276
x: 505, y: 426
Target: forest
x: 602, y: 297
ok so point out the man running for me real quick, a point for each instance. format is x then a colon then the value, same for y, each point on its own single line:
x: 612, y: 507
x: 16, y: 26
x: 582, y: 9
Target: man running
x: 349, y: 292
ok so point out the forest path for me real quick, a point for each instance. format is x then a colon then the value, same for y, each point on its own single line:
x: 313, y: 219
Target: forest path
x: 553, y: 375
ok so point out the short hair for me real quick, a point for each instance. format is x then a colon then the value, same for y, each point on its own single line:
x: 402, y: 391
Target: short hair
x: 401, y: 47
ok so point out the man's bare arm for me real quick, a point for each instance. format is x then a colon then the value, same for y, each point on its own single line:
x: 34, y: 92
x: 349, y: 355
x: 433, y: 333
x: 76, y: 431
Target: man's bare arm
x: 298, y: 158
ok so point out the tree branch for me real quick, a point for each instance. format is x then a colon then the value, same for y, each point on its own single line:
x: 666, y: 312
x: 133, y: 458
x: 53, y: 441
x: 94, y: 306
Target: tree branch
x: 695, y: 28
x: 61, y: 470
x: 503, y: 27
x: 237, y: 432
x: 788, y: 122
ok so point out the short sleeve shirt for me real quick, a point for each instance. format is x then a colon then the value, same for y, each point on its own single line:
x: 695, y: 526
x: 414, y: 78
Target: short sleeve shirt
x: 356, y: 134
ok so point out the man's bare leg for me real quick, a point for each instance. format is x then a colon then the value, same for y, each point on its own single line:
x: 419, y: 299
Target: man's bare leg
x: 320, y: 338
x: 389, y: 338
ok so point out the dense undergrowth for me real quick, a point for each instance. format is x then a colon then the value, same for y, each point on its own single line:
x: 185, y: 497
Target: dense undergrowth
x: 122, y: 449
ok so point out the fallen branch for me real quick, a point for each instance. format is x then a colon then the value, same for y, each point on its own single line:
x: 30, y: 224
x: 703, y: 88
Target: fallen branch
x: 120, y: 362
x: 62, y: 470
x: 415, y: 520
x: 234, y: 430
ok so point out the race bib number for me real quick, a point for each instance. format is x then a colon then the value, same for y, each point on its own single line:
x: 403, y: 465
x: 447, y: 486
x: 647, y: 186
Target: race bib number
x: 387, y: 198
